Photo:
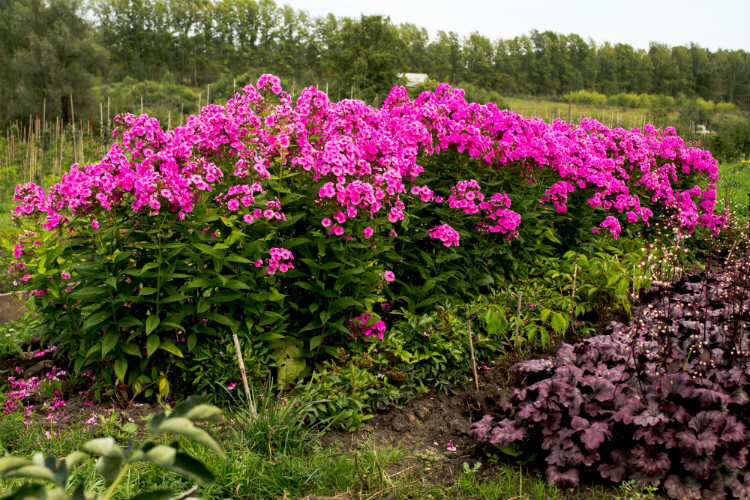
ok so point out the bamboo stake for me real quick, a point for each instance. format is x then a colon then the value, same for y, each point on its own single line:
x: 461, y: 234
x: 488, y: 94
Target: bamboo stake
x: 241, y: 363
x: 73, y: 124
x: 473, y: 359
x: 518, y: 317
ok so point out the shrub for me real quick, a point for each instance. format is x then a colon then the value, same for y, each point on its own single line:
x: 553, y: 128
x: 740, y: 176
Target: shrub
x: 289, y: 224
x: 586, y: 97
x: 662, y: 400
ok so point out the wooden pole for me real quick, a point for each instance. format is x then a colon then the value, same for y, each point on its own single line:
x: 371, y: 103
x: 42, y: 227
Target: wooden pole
x: 473, y: 359
x: 518, y: 317
x: 241, y: 363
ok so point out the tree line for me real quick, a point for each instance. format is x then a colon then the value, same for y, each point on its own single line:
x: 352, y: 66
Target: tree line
x: 51, y: 50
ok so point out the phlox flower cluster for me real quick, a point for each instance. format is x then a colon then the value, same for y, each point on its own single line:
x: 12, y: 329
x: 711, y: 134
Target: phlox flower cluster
x: 496, y: 215
x: 363, y: 325
x: 446, y: 234
x: 22, y: 390
x: 366, y: 161
x: 277, y: 262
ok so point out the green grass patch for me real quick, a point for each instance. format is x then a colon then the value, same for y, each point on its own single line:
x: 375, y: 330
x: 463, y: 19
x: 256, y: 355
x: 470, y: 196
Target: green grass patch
x: 734, y: 186
x: 368, y: 470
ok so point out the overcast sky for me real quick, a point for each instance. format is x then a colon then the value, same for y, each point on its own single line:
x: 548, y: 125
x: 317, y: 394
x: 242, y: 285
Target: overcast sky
x: 710, y: 23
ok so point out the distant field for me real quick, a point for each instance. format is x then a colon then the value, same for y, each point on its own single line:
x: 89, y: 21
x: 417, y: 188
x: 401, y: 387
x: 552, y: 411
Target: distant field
x: 612, y: 116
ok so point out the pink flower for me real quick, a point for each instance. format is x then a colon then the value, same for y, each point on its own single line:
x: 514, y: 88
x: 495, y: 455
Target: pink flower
x: 326, y: 222
x: 231, y: 386
x: 389, y: 276
x: 94, y: 224
x: 64, y: 275
x: 368, y: 232
x: 450, y: 446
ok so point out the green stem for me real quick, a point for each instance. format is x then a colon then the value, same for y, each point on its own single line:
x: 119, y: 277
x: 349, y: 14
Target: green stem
x: 111, y: 489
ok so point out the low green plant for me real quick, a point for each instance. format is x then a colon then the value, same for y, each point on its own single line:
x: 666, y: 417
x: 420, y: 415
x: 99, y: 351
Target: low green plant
x: 114, y: 461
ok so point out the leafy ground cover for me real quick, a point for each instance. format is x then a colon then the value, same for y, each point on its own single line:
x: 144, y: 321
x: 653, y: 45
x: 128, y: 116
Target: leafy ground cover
x: 662, y: 399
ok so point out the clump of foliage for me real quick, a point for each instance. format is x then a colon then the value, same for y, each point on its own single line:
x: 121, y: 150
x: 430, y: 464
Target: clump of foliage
x: 292, y: 224
x: 114, y: 461
x: 663, y: 400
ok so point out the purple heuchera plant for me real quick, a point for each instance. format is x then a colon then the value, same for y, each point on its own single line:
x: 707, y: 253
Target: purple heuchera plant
x: 663, y: 400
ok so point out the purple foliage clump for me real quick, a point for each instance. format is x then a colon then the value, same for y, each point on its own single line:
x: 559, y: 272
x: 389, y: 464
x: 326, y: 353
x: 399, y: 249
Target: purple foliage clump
x: 662, y: 400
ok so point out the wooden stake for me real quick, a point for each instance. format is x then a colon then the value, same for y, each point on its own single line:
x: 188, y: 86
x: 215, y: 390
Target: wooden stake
x: 241, y: 363
x: 473, y: 359
x: 518, y: 316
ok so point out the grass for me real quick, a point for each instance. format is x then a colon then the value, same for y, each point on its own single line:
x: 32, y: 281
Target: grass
x: 734, y: 186
x: 303, y: 467
x: 611, y: 116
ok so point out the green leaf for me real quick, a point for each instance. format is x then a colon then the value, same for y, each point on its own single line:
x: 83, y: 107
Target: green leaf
x: 168, y: 345
x: 151, y: 323
x: 109, y: 468
x: 95, y: 319
x: 236, y: 285
x: 191, y: 341
x: 184, y: 427
x: 10, y: 463
x: 161, y: 455
x: 200, y: 283
x: 31, y: 472
x: 221, y: 319
x: 103, y: 447
x: 152, y: 344
x: 559, y: 322
x: 342, y: 304
x: 147, y: 290
x: 188, y: 466
x: 316, y: 341
x: 209, y: 250
x: 109, y: 341
x: 290, y: 370
x: 131, y: 348
x: 75, y: 458
x: 89, y: 293
x: 204, y: 413
x: 130, y: 322
x: 121, y: 367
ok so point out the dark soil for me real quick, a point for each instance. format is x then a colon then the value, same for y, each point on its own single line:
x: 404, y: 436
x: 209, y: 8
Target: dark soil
x: 433, y: 421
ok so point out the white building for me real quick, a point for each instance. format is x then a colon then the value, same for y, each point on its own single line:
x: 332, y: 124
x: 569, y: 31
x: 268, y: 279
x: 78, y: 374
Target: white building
x: 413, y: 79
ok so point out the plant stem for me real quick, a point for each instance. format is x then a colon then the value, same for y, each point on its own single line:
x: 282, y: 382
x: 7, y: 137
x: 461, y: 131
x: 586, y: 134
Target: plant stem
x: 111, y: 489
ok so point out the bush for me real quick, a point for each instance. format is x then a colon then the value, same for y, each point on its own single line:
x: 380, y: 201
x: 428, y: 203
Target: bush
x: 290, y: 226
x: 662, y: 400
x: 586, y: 97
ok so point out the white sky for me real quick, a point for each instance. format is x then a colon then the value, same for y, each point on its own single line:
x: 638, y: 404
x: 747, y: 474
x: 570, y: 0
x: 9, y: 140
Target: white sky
x: 709, y: 23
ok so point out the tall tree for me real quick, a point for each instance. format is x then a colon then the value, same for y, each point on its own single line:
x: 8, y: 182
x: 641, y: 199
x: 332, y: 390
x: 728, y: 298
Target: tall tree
x: 49, y: 55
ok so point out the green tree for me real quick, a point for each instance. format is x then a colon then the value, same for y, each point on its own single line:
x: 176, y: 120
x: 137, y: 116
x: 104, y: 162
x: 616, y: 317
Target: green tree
x: 49, y: 55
